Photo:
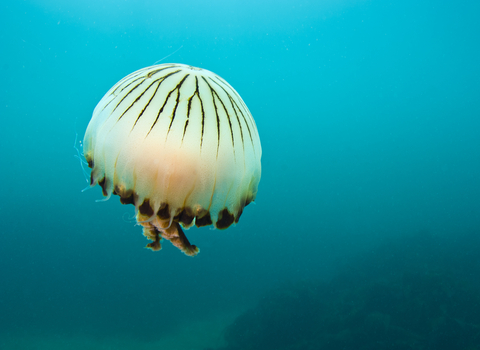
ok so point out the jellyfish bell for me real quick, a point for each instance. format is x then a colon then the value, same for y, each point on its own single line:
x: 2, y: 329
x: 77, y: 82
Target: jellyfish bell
x: 179, y: 143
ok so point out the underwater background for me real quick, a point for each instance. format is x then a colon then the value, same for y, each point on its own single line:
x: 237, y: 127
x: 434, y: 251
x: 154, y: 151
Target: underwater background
x: 365, y: 233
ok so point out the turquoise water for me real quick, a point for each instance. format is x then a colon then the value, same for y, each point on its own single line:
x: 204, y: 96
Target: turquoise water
x: 369, y: 117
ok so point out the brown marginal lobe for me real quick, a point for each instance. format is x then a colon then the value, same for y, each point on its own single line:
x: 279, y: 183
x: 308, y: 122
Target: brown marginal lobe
x: 239, y: 213
x: 126, y: 196
x: 185, y: 216
x: 103, y: 185
x: 145, y: 208
x: 164, y: 212
x: 204, y: 220
x: 128, y: 199
x: 225, y: 219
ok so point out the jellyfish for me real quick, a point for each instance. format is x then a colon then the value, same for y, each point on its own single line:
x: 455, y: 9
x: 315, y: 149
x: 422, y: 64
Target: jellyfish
x: 180, y: 144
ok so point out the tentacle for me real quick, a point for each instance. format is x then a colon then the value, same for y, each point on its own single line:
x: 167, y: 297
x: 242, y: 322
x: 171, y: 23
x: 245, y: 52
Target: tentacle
x: 176, y: 235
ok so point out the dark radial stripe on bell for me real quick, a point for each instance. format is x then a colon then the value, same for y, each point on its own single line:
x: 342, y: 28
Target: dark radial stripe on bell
x: 216, y: 113
x: 124, y: 97
x: 246, y: 123
x: 155, y: 71
x: 203, y: 112
x: 125, y: 82
x: 135, y: 101
x: 113, y: 93
x: 159, y: 112
x: 189, y: 108
x: 140, y: 96
x: 178, y: 87
x: 226, y: 113
x: 136, y: 76
x: 129, y: 80
x: 148, y: 103
x: 132, y: 78
x: 233, y: 103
